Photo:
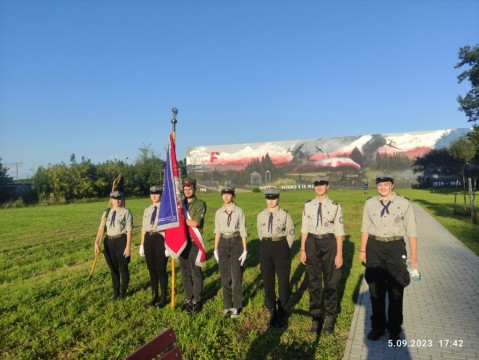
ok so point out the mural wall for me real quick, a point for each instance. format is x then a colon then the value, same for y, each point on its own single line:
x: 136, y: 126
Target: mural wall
x: 349, y: 161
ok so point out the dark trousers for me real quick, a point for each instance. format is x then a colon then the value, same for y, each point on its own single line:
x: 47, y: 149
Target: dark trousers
x: 191, y: 273
x: 156, y: 262
x: 320, y: 254
x: 275, y: 260
x: 231, y: 271
x: 118, y: 264
x: 386, y: 273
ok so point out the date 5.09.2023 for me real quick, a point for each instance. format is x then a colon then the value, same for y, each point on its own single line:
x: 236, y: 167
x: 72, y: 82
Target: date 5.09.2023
x: 421, y: 343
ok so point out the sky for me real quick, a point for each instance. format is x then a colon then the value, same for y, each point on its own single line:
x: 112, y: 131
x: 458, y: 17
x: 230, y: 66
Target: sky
x: 98, y: 78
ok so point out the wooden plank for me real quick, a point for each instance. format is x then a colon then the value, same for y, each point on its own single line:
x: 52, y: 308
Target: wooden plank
x: 162, y: 345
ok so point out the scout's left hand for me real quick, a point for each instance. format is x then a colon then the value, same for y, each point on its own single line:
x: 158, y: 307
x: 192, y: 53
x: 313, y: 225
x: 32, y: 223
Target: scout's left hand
x: 242, y: 258
x: 413, y: 261
x: 338, y: 261
x: 127, y: 252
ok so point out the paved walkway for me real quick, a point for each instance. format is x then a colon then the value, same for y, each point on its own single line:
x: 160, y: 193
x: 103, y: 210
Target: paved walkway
x: 441, y: 312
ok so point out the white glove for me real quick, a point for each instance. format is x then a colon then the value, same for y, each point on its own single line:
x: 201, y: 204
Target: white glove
x: 167, y: 253
x: 242, y: 258
x: 142, y: 251
x: 215, y: 253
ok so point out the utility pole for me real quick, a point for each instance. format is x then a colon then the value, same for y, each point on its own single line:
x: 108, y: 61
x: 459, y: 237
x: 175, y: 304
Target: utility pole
x: 16, y: 164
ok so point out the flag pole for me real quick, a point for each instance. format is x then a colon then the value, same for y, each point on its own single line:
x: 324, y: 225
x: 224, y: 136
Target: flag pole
x: 173, y: 135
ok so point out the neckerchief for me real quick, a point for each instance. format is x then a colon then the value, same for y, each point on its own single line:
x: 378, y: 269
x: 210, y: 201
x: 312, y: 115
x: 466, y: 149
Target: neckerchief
x: 385, y: 209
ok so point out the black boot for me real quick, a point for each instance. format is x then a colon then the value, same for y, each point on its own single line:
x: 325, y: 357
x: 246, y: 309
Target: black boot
x: 272, y: 317
x: 315, y: 325
x: 329, y: 322
x: 154, y: 297
x: 122, y: 293
x: 161, y: 303
x: 281, y: 317
x: 116, y: 294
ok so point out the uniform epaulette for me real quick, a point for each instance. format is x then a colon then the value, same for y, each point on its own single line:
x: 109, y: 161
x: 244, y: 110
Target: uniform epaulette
x: 335, y: 203
x: 308, y: 201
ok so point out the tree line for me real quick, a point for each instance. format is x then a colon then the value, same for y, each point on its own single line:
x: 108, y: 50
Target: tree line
x: 61, y: 183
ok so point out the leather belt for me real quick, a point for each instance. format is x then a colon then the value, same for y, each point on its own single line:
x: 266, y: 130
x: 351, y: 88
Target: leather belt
x: 230, y: 236
x: 153, y: 233
x: 274, y: 238
x: 318, y: 237
x: 386, y: 238
x: 115, y: 236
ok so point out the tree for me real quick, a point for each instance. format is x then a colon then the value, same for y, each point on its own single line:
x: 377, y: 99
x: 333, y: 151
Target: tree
x: 4, y: 178
x: 463, y: 150
x: 5, y: 191
x: 469, y: 104
x: 149, y: 170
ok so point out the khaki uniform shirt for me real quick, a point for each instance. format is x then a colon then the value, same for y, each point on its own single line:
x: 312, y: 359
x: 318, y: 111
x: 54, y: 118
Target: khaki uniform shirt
x: 146, y: 225
x: 237, y: 221
x: 282, y: 225
x: 119, y: 221
x: 330, y: 221
x: 397, y: 220
x: 197, y: 210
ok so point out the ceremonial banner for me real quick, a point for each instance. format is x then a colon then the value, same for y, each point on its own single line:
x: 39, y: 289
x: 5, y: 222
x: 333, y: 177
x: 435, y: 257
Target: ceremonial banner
x: 171, y: 219
x: 196, y: 236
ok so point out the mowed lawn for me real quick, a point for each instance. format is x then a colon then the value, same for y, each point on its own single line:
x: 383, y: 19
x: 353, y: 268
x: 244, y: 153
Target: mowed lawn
x: 49, y: 310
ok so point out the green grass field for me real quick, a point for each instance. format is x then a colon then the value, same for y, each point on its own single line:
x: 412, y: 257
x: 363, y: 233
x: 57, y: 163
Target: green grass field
x: 50, y: 311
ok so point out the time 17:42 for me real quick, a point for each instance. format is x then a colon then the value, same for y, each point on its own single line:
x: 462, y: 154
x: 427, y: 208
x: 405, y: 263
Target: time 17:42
x: 451, y: 343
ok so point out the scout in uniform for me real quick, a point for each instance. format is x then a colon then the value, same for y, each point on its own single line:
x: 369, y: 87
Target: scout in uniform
x: 322, y: 234
x: 190, y: 272
x: 276, y: 232
x: 152, y: 247
x: 387, y: 219
x: 230, y: 251
x: 119, y: 224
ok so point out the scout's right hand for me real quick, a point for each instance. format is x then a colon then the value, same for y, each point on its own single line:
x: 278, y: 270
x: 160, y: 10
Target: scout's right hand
x: 215, y: 253
x: 142, y: 250
x: 303, y: 257
x: 362, y: 256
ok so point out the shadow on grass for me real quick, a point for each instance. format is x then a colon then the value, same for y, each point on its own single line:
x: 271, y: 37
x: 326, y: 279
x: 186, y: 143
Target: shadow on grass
x: 348, y: 257
x: 211, y: 289
x: 268, y: 345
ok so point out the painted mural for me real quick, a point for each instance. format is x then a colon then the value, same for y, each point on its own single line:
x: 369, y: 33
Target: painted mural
x: 349, y: 161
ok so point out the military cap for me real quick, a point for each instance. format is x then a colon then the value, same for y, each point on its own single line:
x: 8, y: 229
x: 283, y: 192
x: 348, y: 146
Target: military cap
x: 322, y: 180
x: 381, y: 179
x: 116, y: 194
x: 188, y: 182
x: 271, y: 193
x: 228, y: 190
x: 156, y: 189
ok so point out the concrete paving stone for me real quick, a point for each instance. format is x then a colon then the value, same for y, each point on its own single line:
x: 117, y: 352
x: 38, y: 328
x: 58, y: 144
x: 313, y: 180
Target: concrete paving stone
x: 471, y: 353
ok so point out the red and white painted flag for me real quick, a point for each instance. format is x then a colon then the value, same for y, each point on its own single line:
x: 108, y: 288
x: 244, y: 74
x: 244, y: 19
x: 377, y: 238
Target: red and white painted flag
x: 171, y: 219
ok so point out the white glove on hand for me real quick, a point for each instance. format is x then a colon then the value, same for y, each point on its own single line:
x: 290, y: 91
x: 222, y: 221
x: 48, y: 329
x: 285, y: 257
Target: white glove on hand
x: 242, y: 258
x: 167, y: 253
x: 142, y: 251
x: 215, y: 253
